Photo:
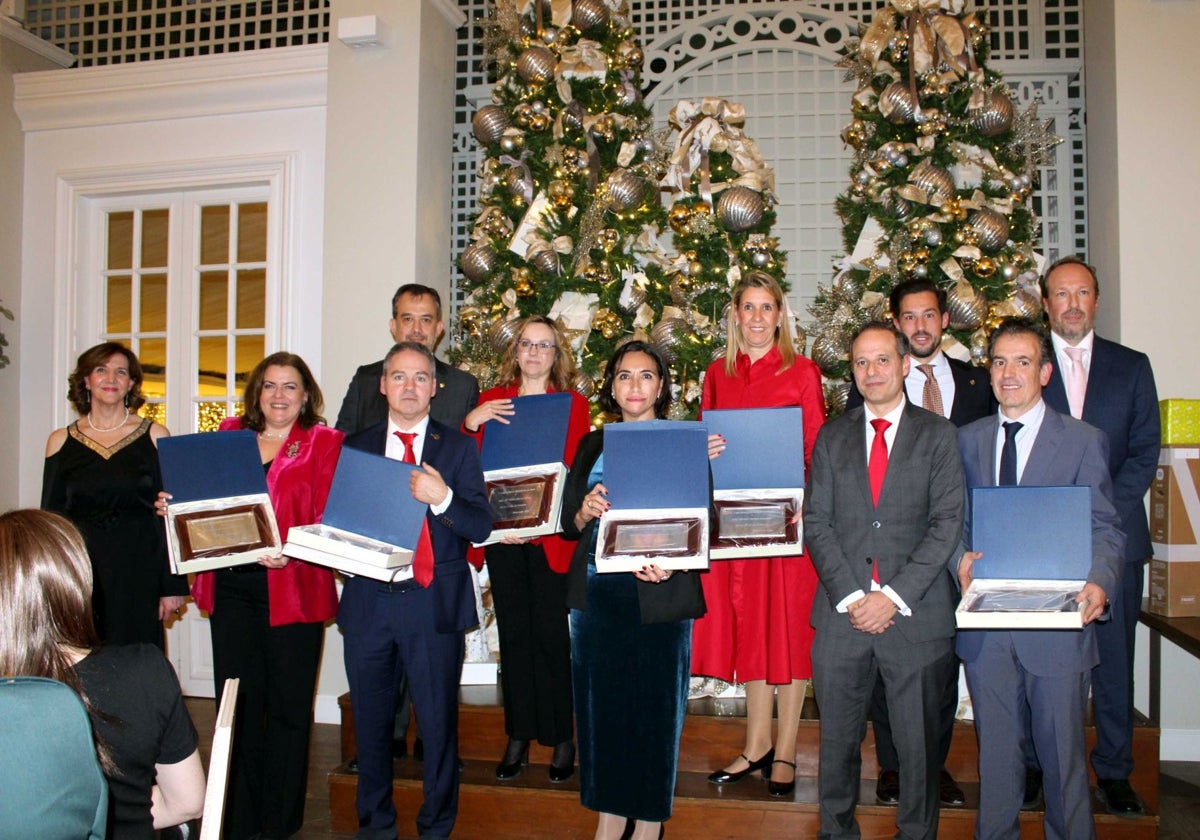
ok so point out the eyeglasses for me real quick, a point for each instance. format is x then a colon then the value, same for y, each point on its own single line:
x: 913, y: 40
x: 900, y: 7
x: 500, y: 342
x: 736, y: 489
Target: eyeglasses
x: 530, y: 346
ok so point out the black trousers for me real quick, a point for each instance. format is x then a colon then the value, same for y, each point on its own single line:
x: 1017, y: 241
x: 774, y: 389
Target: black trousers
x: 277, y: 672
x: 535, y: 643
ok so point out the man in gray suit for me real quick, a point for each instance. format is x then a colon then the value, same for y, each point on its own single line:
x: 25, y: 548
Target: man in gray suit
x: 1035, y: 680
x: 882, y: 516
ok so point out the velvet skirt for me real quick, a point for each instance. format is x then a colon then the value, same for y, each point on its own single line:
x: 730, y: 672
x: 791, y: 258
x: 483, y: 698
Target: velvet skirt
x: 630, y: 685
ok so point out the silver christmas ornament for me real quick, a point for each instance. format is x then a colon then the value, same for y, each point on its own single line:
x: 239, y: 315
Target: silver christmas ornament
x: 967, y: 306
x: 826, y: 354
x: 995, y: 116
x: 546, y: 261
x: 489, y: 123
x: 992, y: 228
x: 933, y: 180
x: 898, y: 104
x: 665, y: 337
x: 740, y: 208
x: 502, y: 333
x: 588, y: 14
x: 625, y: 190
x: 477, y: 261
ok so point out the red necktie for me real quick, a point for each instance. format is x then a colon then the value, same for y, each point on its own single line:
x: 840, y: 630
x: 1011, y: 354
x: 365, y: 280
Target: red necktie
x: 423, y: 555
x: 877, y: 465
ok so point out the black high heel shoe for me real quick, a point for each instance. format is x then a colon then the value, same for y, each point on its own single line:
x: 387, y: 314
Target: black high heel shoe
x: 516, y: 756
x: 782, y: 788
x: 562, y: 764
x: 724, y: 777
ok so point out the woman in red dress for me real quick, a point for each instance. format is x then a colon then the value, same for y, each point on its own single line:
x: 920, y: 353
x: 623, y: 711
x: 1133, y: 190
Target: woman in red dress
x: 528, y: 576
x: 757, y: 628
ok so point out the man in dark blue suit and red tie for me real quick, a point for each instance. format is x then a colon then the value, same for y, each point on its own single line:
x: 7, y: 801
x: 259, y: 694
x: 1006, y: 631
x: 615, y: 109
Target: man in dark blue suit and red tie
x: 1112, y: 388
x: 414, y: 625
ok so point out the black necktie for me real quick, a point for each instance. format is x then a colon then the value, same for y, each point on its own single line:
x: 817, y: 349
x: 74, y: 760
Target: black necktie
x: 1008, y: 455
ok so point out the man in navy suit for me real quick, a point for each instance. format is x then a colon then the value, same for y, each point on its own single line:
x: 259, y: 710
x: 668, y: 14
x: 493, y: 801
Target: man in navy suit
x: 1116, y: 394
x: 962, y: 394
x: 411, y: 627
x: 1035, y: 681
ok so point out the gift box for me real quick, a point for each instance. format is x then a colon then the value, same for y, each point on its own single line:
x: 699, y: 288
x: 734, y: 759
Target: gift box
x: 219, y: 514
x: 371, y: 522
x: 1180, y: 422
x: 523, y: 467
x: 1037, y: 554
x: 656, y: 474
x: 1174, y: 532
x: 758, y: 482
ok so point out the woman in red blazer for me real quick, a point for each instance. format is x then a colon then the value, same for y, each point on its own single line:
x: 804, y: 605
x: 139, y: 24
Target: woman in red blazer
x: 528, y: 577
x: 268, y: 619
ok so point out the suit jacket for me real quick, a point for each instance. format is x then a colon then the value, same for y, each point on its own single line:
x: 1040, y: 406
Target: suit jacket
x: 1066, y: 452
x: 911, y: 534
x: 469, y: 518
x: 298, y: 485
x: 1122, y: 402
x: 675, y: 599
x: 364, y: 406
x: 973, y: 397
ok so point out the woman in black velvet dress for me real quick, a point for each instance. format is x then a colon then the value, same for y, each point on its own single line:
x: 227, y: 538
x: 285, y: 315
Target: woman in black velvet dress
x: 630, y: 634
x: 101, y: 472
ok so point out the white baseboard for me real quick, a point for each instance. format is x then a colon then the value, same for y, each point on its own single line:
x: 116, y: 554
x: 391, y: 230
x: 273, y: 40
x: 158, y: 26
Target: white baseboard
x: 1179, y: 745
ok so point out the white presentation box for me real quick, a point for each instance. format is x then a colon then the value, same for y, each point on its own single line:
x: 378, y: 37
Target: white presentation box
x: 526, y: 501
x: 670, y: 538
x: 757, y: 523
x: 995, y: 604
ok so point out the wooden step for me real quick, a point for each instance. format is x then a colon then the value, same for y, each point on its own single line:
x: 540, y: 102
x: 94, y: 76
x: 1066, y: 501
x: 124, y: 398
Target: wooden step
x: 713, y: 734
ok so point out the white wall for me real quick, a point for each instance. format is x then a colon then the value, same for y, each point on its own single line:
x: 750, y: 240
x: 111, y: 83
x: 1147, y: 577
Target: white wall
x: 20, y: 52
x: 1143, y: 178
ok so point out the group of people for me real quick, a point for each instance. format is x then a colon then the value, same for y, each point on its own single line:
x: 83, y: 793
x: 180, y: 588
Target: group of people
x: 866, y: 613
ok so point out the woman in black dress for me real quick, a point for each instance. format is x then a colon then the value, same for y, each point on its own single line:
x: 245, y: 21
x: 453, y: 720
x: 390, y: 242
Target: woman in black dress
x: 630, y: 634
x: 102, y: 473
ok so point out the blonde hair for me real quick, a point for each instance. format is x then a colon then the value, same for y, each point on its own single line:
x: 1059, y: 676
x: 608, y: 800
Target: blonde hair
x: 783, y: 333
x: 562, y: 372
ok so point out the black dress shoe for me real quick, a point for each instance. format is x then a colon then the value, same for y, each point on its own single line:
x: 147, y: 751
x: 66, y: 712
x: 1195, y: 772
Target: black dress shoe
x: 724, y: 777
x: 399, y: 748
x: 352, y: 765
x: 562, y: 764
x: 630, y: 825
x: 782, y: 788
x: 887, y: 789
x: 418, y: 749
x: 1119, y: 797
x: 948, y: 790
x: 516, y: 756
x: 1033, y: 790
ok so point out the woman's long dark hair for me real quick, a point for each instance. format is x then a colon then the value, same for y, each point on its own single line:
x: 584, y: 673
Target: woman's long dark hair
x: 606, y: 399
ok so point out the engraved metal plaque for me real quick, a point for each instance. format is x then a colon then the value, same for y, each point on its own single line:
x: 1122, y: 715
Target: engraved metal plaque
x: 222, y: 531
x: 760, y: 521
x: 652, y: 537
x: 521, y: 503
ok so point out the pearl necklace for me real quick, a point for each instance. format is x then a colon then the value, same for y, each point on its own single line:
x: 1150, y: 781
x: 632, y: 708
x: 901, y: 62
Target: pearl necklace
x: 269, y: 436
x: 96, y: 428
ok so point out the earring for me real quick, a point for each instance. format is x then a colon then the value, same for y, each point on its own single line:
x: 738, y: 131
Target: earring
x: 127, y: 399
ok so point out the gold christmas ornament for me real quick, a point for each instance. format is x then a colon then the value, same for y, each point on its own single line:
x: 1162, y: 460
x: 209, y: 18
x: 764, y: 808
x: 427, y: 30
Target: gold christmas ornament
x: 561, y: 194
x: 489, y: 123
x: 678, y: 217
x: 966, y: 305
x: 740, y: 208
x: 477, y: 261
x: 681, y: 289
x: 522, y: 285
x: 608, y: 239
x: 630, y: 53
x: 897, y: 103
x: 995, y: 116
x: 536, y: 65
x: 588, y: 14
x: 539, y: 122
x: 992, y: 228
x: 605, y: 128
x: 985, y: 267
x: 979, y: 347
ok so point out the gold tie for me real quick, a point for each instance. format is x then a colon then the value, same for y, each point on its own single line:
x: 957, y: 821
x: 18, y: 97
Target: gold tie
x: 931, y: 395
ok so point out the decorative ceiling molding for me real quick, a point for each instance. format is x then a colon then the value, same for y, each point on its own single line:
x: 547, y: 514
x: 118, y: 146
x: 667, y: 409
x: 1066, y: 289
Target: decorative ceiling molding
x: 198, y: 86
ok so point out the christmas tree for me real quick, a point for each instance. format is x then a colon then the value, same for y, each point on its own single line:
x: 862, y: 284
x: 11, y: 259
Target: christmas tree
x: 570, y: 214
x: 940, y: 185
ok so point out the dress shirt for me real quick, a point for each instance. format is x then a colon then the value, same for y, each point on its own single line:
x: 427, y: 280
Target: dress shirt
x: 889, y: 437
x: 914, y: 383
x: 1031, y: 422
x: 1064, y: 361
x: 395, y: 451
